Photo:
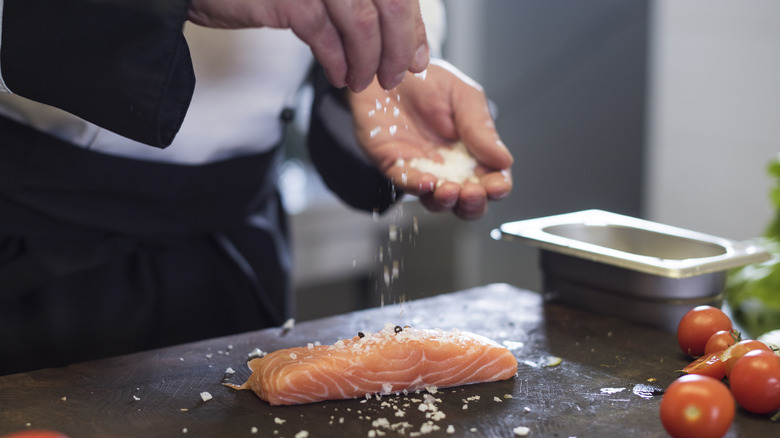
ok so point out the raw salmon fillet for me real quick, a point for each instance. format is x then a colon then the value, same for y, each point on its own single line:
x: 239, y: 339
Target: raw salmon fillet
x: 390, y: 361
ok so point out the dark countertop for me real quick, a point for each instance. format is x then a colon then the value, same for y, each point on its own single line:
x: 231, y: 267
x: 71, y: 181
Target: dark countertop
x: 602, y: 386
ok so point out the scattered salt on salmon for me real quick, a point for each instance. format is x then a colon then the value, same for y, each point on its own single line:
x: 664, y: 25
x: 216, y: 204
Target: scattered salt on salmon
x: 393, y: 360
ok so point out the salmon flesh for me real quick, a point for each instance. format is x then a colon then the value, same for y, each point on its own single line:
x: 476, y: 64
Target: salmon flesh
x: 389, y: 361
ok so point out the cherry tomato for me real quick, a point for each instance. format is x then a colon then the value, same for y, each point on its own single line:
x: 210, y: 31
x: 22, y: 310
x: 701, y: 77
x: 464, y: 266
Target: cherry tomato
x: 32, y: 433
x: 708, y: 365
x: 721, y: 340
x: 755, y: 381
x: 697, y: 406
x: 697, y: 326
x: 731, y: 355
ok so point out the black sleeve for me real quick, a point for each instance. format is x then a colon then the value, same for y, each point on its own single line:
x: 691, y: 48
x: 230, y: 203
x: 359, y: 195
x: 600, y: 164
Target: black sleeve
x: 335, y: 153
x: 121, y: 64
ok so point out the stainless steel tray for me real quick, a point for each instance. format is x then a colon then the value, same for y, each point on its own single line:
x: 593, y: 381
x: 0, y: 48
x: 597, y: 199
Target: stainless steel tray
x: 620, y: 265
x: 632, y: 243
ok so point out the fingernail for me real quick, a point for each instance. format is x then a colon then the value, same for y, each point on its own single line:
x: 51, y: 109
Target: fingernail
x: 398, y: 79
x: 358, y: 87
x: 422, y: 57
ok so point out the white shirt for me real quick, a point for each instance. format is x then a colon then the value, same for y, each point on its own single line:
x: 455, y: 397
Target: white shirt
x: 245, y: 78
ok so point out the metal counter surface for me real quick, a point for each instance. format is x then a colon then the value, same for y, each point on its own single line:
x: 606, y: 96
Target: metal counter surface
x: 602, y: 387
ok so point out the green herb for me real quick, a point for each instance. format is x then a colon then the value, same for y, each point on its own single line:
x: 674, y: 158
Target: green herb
x: 753, y: 291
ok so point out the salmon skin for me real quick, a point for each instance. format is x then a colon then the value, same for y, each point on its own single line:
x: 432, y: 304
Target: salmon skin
x: 389, y: 361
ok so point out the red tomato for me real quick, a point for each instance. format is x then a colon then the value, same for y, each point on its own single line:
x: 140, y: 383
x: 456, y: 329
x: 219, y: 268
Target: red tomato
x: 697, y: 406
x: 721, y: 340
x: 32, y: 433
x: 709, y: 365
x: 697, y: 326
x: 755, y: 381
x: 731, y: 355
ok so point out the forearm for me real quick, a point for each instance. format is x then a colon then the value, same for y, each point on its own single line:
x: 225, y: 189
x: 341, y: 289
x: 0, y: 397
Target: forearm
x: 121, y: 64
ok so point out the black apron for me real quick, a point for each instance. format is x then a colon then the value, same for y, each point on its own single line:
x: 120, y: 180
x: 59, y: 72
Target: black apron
x: 101, y: 255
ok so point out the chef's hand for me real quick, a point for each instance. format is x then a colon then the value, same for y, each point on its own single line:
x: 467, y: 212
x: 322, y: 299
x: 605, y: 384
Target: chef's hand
x: 425, y: 113
x: 353, y: 40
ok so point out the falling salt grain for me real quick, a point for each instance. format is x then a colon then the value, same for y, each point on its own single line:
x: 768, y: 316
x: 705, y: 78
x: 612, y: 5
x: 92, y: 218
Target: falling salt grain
x: 393, y: 129
x: 450, y: 429
x: 374, y: 132
x: 302, y: 434
x: 278, y: 420
x: 497, y: 400
x: 393, y: 233
x: 136, y: 398
x: 205, y: 396
x: 253, y: 429
x: 289, y: 324
x: 184, y: 430
x: 230, y: 370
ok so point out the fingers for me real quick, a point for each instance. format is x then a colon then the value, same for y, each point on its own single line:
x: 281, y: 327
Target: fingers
x: 382, y: 37
x: 470, y: 200
x: 358, y: 24
x: 354, y: 40
x: 404, y: 41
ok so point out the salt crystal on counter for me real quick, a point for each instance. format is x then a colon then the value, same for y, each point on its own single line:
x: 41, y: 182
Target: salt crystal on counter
x: 521, y: 431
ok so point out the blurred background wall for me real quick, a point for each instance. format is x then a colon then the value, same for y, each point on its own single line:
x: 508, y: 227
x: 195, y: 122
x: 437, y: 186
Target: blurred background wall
x: 667, y: 110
